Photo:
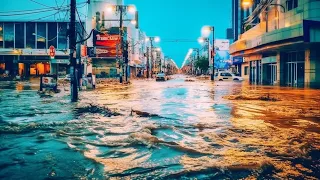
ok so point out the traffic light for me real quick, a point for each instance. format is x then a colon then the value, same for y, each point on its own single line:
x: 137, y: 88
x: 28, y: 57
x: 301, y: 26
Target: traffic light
x: 125, y: 52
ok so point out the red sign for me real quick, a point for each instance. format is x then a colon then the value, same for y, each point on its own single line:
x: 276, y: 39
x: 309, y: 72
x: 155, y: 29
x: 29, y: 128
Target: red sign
x: 109, y: 45
x: 83, y: 51
x: 52, y: 52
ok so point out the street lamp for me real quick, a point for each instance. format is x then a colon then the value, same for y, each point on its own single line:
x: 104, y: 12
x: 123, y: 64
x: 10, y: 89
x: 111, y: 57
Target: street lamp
x: 131, y: 9
x: 206, y: 30
x: 151, y: 39
x: 246, y: 3
x: 156, y: 39
x: 134, y: 22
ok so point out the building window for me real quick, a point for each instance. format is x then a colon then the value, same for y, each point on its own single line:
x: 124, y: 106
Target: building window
x: 30, y: 37
x: 62, y: 36
x: 8, y: 35
x: 291, y: 4
x: 41, y: 35
x: 246, y: 68
x: 19, y: 35
x: 52, y: 34
x: 1, y: 35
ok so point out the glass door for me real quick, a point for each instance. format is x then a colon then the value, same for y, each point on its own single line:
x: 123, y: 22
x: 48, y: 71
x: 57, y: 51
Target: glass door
x: 273, y: 73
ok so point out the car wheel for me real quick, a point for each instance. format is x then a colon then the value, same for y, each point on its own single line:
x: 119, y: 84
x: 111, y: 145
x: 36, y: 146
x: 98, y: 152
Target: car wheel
x: 236, y: 79
x: 220, y: 80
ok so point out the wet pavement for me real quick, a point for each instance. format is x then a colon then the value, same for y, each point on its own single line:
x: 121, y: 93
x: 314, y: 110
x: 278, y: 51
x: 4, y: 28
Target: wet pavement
x: 176, y: 129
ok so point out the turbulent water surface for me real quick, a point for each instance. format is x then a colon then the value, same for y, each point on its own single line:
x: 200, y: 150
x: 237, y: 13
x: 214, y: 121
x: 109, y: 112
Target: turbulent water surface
x: 165, y: 130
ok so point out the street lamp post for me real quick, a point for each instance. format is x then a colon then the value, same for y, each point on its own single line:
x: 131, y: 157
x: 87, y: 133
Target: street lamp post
x: 151, y: 39
x: 206, y: 40
x: 207, y: 30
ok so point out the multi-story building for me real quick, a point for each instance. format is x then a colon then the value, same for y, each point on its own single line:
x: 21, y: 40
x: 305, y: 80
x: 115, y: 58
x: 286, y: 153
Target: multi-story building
x: 104, y: 18
x: 25, y: 39
x: 279, y: 43
x: 239, y: 14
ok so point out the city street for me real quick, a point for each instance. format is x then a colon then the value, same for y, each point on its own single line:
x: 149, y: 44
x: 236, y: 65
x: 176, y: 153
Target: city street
x: 181, y: 128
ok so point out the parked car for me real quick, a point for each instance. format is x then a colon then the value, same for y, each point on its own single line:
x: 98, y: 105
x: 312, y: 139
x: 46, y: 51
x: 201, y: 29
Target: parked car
x: 161, y: 77
x: 227, y: 76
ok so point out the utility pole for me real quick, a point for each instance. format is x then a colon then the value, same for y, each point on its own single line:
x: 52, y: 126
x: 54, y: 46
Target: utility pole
x: 213, y: 54
x: 148, y: 63
x: 121, y: 41
x: 72, y: 47
x: 151, y: 40
x: 160, y: 63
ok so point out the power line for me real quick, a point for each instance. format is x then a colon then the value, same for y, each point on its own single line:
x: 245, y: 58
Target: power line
x: 24, y: 13
x: 84, y: 29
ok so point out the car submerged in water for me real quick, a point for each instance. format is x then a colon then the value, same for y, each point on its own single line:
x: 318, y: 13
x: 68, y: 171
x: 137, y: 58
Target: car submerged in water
x: 161, y: 77
x: 227, y: 76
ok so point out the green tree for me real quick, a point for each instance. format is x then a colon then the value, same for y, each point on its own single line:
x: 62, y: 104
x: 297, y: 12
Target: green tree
x: 202, y: 64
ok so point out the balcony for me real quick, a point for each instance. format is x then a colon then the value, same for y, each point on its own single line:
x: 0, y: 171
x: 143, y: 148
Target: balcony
x: 282, y: 27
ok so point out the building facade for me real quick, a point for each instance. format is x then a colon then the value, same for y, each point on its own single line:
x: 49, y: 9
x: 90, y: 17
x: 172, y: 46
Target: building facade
x: 281, y: 47
x: 25, y: 39
x: 107, y: 23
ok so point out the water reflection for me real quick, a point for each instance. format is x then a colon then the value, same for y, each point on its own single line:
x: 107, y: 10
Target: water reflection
x: 196, y: 132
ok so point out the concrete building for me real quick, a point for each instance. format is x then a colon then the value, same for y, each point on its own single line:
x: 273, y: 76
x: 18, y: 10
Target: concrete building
x: 106, y: 22
x: 26, y: 35
x: 280, y: 43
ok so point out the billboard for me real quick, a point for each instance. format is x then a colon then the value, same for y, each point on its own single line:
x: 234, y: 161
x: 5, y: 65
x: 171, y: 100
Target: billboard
x: 107, y: 45
x: 222, y: 54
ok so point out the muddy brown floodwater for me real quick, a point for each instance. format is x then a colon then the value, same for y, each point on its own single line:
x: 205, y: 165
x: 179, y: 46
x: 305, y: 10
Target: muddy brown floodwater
x: 182, y: 128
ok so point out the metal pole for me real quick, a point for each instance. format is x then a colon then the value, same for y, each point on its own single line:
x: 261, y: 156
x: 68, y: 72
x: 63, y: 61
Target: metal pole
x: 121, y: 42
x: 160, y: 63
x: 72, y: 47
x: 212, y: 75
x: 151, y: 57
x: 209, y: 58
x: 148, y: 63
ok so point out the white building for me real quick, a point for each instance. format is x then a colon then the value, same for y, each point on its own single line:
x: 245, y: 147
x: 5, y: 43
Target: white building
x: 282, y: 47
x: 104, y: 16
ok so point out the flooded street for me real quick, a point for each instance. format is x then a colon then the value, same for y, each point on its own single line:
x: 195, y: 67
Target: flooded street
x: 160, y: 130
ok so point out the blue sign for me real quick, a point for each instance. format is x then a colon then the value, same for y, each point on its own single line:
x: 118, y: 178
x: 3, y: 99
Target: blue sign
x: 237, y: 60
x: 222, y: 59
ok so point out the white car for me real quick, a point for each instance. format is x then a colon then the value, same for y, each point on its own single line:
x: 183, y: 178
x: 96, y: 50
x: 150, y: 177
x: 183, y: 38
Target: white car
x: 227, y: 76
x: 161, y: 77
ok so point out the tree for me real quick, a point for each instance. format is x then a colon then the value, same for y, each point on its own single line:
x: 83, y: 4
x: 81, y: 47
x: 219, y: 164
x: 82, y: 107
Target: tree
x: 202, y: 64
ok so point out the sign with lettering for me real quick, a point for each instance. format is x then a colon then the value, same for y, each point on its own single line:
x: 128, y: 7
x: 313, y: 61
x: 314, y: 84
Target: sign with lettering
x: 107, y: 45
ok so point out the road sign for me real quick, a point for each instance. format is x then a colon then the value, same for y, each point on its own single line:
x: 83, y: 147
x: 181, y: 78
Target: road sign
x: 52, y: 52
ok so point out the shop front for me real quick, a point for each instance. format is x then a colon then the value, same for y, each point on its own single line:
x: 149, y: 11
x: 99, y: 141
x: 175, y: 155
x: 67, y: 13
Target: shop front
x: 295, y: 69
x: 269, y: 73
x: 236, y: 65
x: 105, y: 68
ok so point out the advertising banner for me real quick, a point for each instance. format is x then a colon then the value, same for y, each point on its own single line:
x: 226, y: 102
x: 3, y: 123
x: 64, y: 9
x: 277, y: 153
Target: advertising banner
x: 222, y: 58
x: 222, y: 44
x: 106, y: 44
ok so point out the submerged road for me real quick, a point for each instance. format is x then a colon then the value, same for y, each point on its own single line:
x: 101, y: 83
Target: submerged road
x: 164, y: 130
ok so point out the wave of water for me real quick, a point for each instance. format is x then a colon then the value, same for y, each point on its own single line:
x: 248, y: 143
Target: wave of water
x: 196, y: 134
